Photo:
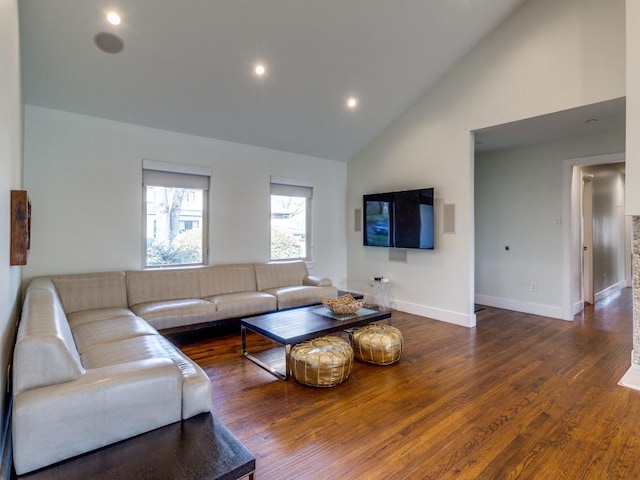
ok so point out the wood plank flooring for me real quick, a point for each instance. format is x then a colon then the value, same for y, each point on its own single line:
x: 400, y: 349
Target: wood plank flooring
x: 517, y: 397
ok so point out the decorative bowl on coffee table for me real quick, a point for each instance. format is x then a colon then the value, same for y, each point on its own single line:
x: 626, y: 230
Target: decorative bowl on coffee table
x: 342, y: 305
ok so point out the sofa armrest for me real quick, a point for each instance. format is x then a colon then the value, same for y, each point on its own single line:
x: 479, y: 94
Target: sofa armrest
x: 103, y: 406
x: 315, y: 281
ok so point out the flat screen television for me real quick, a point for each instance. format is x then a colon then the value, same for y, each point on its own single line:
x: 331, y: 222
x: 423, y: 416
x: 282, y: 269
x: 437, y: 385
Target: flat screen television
x: 403, y: 219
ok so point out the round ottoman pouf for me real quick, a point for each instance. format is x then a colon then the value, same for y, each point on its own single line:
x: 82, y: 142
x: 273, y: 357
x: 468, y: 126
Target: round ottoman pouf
x: 379, y: 344
x: 322, y: 362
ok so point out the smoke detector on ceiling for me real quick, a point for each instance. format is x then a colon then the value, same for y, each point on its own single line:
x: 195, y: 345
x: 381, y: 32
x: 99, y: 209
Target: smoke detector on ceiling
x: 108, y: 42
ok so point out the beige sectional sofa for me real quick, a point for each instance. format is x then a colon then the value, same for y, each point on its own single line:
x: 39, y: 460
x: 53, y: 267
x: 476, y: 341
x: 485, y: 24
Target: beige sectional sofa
x: 175, y: 298
x: 90, y: 367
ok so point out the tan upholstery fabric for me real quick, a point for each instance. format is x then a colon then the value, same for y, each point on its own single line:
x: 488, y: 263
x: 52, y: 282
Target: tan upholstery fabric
x: 158, y: 285
x: 222, y: 279
x: 314, y: 281
x: 279, y: 274
x: 234, y: 305
x: 176, y: 313
x: 133, y: 381
x: 88, y: 335
x: 101, y: 407
x: 289, y: 297
x: 45, y: 352
x: 90, y: 291
x: 196, y: 387
x: 88, y: 316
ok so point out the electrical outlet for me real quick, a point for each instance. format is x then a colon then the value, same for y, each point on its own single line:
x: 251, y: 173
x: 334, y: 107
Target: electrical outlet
x: 533, y: 287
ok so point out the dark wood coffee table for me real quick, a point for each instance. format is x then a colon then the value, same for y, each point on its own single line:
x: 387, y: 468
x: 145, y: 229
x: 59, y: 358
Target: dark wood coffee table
x: 289, y: 327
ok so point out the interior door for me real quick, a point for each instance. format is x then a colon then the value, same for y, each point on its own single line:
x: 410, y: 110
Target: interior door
x: 587, y: 241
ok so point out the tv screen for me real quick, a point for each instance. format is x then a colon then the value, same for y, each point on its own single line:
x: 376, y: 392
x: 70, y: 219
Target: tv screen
x: 378, y: 220
x: 413, y: 218
x: 402, y: 219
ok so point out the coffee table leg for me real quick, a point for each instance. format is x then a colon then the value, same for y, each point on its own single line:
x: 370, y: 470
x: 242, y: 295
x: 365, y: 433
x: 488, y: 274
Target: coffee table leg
x: 260, y: 363
x: 243, y: 339
x: 287, y: 360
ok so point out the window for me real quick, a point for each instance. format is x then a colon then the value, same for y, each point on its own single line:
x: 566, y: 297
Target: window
x: 175, y: 201
x: 290, y: 220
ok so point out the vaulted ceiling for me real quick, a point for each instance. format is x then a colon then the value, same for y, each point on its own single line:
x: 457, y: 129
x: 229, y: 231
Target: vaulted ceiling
x: 187, y: 66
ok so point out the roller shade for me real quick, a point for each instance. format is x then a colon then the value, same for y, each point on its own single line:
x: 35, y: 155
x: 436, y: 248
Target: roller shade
x: 164, y: 174
x: 291, y: 190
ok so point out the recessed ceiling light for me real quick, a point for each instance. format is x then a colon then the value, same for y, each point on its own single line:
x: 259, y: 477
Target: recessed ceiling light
x: 113, y: 18
x: 591, y: 120
x: 352, y: 102
x: 260, y: 69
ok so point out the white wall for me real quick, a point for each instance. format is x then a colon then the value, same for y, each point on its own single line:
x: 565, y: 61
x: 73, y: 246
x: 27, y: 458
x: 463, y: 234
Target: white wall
x: 632, y: 203
x: 519, y: 202
x: 550, y: 55
x: 85, y: 180
x: 10, y: 178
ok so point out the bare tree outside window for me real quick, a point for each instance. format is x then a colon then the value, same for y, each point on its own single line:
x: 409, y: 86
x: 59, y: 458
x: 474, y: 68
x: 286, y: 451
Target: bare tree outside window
x: 174, y: 220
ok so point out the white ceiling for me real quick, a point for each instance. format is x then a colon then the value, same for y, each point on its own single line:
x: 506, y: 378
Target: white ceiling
x: 575, y: 122
x: 186, y: 65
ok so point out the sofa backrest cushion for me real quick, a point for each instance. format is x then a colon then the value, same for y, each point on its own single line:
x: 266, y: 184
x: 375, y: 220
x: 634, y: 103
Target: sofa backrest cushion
x: 157, y: 285
x: 223, y: 279
x: 90, y: 291
x: 280, y: 274
x: 45, y: 352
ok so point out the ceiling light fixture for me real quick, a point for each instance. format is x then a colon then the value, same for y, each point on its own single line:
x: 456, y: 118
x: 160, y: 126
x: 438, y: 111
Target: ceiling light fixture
x: 113, y: 18
x: 352, y: 102
x: 591, y: 120
x: 260, y: 69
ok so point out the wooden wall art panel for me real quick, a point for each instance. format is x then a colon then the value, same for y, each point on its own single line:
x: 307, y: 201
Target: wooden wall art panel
x: 20, y: 227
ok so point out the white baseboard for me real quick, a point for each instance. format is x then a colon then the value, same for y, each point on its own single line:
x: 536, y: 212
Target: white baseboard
x: 631, y: 379
x: 519, y: 306
x: 447, y: 316
x: 456, y: 318
x: 609, y: 290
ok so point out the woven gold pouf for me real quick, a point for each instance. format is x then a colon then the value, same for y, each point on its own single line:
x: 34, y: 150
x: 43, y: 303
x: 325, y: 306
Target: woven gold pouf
x: 379, y: 344
x: 322, y: 362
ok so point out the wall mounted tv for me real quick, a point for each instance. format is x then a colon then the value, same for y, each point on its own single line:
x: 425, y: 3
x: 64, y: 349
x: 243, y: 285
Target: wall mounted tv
x: 399, y: 219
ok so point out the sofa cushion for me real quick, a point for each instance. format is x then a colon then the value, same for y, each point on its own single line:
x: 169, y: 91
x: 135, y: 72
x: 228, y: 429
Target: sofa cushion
x: 279, y: 274
x: 176, y: 313
x: 157, y: 285
x: 45, y: 352
x: 196, y: 387
x: 88, y: 291
x: 234, y: 305
x: 88, y: 335
x: 97, y: 315
x: 289, y: 297
x: 221, y: 279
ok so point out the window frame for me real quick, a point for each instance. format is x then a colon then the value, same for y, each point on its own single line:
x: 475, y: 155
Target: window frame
x: 293, y: 188
x: 170, y: 175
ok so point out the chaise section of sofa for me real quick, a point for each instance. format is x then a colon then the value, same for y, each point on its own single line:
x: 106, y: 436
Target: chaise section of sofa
x: 86, y: 378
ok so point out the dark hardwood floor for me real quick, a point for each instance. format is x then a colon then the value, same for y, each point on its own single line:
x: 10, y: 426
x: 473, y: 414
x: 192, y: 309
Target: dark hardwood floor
x: 517, y: 397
